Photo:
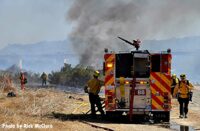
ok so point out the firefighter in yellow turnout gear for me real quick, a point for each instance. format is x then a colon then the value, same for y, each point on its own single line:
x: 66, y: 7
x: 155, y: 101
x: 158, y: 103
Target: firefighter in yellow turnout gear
x: 121, y: 102
x: 183, y: 92
x: 174, y: 82
x: 92, y: 88
x: 122, y: 88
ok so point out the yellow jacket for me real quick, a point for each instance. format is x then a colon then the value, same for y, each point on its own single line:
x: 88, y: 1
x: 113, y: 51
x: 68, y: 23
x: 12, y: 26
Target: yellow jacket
x: 94, y: 86
x: 174, y: 82
x: 183, y: 88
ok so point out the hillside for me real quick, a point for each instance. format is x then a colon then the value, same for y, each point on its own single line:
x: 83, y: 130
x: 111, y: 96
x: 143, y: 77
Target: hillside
x: 38, y: 57
x: 49, y: 55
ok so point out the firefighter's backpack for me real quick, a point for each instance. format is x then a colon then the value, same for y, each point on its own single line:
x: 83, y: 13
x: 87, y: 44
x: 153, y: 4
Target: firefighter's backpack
x: 190, y: 93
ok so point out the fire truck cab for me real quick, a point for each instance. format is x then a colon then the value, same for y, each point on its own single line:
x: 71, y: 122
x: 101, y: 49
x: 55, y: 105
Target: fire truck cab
x: 138, y: 83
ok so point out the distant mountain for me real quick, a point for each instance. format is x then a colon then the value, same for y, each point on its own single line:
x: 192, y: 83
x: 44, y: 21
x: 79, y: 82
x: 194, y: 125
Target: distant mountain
x: 38, y: 57
x: 41, y: 48
x: 14, y: 69
x: 186, y: 44
x: 49, y: 55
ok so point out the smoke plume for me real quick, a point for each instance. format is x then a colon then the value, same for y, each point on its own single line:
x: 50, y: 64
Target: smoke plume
x: 97, y: 23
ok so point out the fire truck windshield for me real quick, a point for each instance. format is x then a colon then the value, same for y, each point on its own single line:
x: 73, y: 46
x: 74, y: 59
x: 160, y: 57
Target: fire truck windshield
x: 142, y: 68
x: 124, y: 66
x: 124, y: 63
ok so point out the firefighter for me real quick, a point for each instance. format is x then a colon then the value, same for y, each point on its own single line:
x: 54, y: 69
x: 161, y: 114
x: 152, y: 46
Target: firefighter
x: 92, y: 88
x: 122, y: 92
x: 174, y: 82
x: 183, y: 93
x: 44, y: 78
x: 23, y: 80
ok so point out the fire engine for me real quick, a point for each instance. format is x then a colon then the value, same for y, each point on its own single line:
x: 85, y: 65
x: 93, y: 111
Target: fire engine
x: 138, y: 83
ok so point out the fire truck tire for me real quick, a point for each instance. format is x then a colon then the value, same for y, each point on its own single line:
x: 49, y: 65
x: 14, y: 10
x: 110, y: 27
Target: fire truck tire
x: 112, y: 114
x: 167, y: 117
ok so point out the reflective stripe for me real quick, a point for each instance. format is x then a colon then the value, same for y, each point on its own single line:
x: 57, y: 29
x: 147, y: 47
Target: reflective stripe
x: 110, y: 58
x: 156, y: 105
x: 159, y: 84
x: 109, y: 82
x: 160, y: 80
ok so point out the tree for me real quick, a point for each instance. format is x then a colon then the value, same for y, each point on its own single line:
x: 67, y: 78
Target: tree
x: 71, y: 76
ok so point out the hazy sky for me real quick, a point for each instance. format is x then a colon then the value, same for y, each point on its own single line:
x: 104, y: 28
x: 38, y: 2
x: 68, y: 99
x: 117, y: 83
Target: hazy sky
x: 29, y: 21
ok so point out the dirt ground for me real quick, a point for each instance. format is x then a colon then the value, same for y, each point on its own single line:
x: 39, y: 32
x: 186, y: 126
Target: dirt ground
x: 50, y: 109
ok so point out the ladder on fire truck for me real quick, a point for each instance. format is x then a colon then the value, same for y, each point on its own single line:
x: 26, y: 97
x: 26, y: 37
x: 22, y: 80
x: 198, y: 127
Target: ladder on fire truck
x: 132, y: 98
x: 136, y: 44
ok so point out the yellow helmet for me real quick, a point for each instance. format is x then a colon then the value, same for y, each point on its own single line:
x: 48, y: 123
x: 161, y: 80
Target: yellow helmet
x: 122, y: 80
x: 174, y: 75
x: 96, y: 73
x: 183, y: 76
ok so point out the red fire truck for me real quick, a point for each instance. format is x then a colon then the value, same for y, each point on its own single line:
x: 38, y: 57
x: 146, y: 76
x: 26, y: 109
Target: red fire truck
x: 138, y: 83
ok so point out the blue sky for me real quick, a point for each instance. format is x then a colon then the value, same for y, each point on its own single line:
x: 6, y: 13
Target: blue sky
x: 30, y: 21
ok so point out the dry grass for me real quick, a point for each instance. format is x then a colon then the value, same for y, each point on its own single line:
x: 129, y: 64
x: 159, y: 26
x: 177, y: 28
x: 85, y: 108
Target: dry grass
x: 6, y: 84
x: 35, y: 106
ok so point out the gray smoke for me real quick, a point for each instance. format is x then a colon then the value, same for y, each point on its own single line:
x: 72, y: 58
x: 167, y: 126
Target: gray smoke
x: 97, y: 23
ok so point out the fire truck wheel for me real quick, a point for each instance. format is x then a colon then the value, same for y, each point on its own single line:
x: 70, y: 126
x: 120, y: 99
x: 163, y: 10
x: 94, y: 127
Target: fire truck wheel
x: 112, y: 114
x: 167, y: 117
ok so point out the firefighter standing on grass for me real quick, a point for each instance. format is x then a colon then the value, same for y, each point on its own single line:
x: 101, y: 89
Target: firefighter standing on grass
x: 23, y: 80
x: 92, y: 88
x: 184, y: 94
x: 44, y: 79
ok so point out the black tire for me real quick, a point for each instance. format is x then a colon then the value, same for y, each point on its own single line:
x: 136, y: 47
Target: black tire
x: 113, y: 113
x: 167, y: 117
